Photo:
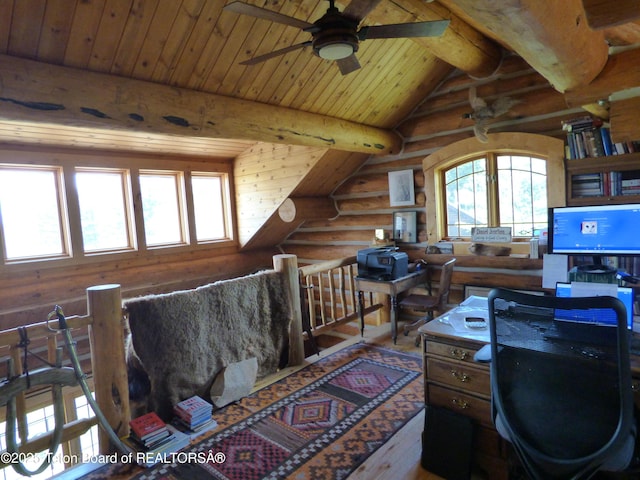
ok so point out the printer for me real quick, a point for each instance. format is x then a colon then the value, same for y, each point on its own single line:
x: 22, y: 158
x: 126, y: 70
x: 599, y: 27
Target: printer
x: 382, y: 263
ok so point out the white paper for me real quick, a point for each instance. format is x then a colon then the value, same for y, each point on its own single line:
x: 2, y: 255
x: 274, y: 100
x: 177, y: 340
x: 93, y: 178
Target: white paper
x: 555, y: 268
x: 593, y: 289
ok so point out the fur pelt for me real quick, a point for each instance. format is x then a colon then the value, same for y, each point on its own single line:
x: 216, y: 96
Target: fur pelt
x: 183, y: 339
x: 489, y: 250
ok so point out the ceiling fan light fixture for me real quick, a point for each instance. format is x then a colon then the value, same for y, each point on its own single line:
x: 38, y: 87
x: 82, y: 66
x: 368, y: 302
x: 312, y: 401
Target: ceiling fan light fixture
x: 335, y: 44
x: 335, y: 51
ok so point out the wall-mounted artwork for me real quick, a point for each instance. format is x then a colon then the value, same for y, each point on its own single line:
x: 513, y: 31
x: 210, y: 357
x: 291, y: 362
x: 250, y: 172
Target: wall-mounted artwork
x: 405, y: 227
x: 401, y: 192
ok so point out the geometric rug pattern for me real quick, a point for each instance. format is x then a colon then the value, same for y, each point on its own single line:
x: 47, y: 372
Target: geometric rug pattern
x: 321, y: 422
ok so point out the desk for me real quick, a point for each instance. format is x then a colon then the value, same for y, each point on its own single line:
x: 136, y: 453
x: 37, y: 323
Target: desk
x: 391, y: 288
x: 453, y: 380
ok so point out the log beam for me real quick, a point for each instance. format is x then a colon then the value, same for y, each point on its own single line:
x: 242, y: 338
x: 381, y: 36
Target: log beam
x: 610, y: 13
x: 624, y: 120
x: 460, y: 45
x: 552, y: 37
x: 42, y: 93
x: 300, y: 209
x: 621, y: 72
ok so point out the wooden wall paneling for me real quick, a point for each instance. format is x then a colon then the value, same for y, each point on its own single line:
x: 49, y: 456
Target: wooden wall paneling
x: 29, y: 296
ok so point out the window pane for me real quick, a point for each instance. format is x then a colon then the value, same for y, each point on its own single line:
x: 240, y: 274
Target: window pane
x: 522, y: 195
x: 466, y: 194
x: 162, y: 208
x: 31, y: 217
x: 208, y: 203
x: 103, y: 210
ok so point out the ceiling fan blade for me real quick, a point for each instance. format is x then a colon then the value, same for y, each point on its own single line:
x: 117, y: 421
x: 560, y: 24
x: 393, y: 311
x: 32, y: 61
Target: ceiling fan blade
x: 358, y: 9
x: 258, y: 12
x: 348, y: 65
x: 275, y: 53
x: 404, y: 30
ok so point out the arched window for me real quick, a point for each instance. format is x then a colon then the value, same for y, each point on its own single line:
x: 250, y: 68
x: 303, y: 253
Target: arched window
x: 496, y: 190
x: 508, y: 181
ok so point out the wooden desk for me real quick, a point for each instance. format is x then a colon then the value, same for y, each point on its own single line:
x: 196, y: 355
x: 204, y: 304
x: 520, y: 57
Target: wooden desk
x: 391, y: 288
x: 453, y: 380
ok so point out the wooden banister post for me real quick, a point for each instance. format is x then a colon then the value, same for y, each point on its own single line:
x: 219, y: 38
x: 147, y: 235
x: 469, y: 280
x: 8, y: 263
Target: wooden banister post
x: 106, y: 336
x: 288, y: 264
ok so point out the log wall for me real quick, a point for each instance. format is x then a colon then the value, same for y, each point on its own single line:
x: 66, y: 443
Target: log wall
x: 363, y: 199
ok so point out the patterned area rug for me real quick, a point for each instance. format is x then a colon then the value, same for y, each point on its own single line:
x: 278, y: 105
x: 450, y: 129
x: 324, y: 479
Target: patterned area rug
x: 320, y: 422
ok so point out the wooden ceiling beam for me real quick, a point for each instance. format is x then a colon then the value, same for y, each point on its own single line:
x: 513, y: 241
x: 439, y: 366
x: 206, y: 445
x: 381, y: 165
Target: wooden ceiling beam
x: 42, y: 93
x: 460, y: 45
x: 621, y: 72
x: 624, y: 120
x: 552, y: 37
x: 610, y: 13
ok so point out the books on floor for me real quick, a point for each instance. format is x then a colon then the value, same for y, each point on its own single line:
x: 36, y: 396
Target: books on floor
x: 152, y: 439
x: 193, y: 416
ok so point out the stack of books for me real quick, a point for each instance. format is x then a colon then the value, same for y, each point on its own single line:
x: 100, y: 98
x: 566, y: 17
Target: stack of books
x: 193, y: 416
x: 149, y: 431
x: 153, y: 439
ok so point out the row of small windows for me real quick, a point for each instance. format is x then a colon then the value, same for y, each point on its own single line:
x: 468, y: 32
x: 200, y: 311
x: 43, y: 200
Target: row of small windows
x: 36, y: 210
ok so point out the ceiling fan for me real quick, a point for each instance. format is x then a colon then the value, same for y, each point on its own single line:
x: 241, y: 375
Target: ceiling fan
x: 335, y: 35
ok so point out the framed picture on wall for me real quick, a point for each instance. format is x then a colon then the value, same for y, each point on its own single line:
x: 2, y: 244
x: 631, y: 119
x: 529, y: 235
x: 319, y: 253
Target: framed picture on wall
x: 405, y: 227
x: 401, y: 192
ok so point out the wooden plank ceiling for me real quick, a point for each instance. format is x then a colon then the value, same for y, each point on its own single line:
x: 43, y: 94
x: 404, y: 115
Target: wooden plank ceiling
x: 196, y: 45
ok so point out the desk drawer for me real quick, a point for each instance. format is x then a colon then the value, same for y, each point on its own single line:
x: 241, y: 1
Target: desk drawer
x: 454, y: 352
x: 467, y: 404
x: 459, y: 375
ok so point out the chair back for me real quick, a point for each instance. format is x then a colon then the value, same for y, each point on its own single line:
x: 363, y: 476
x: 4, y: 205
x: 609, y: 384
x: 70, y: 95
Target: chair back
x: 445, y: 284
x: 564, y: 401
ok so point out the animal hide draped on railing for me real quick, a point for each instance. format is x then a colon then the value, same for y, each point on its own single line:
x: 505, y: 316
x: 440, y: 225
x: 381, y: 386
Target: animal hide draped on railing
x: 183, y: 339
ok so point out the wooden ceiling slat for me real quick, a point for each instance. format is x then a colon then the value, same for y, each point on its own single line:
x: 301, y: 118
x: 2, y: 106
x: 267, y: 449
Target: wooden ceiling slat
x: 135, y: 31
x: 6, y: 17
x: 156, y: 37
x: 56, y: 29
x: 175, y: 42
x: 254, y: 77
x: 232, y: 32
x: 279, y: 67
x: 86, y: 20
x: 25, y: 30
x: 209, y: 35
x: 109, y: 35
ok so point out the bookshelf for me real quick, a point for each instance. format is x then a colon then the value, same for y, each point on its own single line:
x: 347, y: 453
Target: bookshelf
x: 601, y: 180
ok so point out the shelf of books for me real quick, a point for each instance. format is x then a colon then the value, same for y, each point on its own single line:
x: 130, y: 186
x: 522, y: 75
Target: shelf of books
x: 599, y: 171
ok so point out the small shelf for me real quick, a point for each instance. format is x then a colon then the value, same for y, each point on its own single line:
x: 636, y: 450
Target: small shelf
x: 603, y: 180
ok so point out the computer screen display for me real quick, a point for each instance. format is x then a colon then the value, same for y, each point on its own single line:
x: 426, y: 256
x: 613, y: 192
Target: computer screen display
x: 595, y: 230
x: 604, y: 316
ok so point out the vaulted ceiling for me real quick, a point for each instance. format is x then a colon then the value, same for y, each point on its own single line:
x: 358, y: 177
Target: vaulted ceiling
x: 181, y: 60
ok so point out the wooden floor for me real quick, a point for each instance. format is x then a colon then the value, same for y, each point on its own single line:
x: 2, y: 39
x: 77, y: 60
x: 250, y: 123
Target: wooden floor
x: 399, y: 457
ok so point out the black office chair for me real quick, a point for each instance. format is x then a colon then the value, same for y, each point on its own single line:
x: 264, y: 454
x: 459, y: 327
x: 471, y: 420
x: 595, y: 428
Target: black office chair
x: 563, y: 399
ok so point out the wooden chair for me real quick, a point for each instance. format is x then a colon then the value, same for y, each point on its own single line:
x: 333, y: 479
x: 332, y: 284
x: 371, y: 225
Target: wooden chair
x: 430, y: 303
